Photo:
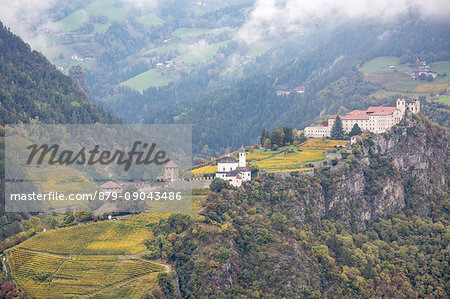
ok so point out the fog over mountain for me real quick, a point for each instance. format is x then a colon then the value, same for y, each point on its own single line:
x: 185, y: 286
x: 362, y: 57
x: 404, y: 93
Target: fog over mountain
x: 270, y: 17
x: 266, y: 19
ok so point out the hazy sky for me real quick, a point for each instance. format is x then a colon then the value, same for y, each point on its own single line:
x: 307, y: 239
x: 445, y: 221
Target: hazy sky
x: 266, y: 19
x: 269, y: 17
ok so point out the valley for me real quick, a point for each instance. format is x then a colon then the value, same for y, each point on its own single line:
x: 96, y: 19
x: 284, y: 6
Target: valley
x: 361, y: 211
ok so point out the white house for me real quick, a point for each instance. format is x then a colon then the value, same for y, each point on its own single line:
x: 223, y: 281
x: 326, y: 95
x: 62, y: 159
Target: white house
x: 233, y: 171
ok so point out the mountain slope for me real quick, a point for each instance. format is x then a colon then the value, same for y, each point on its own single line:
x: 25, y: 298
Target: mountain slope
x: 375, y: 226
x: 32, y: 88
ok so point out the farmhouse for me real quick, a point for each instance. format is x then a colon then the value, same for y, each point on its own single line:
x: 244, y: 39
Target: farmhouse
x: 374, y: 119
x: 111, y: 186
x: 233, y: 171
x: 416, y: 74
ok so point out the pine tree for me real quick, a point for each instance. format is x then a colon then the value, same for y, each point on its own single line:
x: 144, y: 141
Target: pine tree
x: 337, y: 132
x: 356, y: 130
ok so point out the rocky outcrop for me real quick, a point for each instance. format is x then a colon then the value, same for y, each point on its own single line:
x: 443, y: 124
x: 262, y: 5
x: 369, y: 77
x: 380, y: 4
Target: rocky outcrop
x: 395, y: 170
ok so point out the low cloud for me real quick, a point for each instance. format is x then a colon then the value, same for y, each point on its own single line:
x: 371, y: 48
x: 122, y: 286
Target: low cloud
x: 26, y: 17
x: 270, y: 18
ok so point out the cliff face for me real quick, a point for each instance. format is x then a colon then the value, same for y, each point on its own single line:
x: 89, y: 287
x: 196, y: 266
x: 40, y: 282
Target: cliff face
x: 324, y: 234
x: 400, y: 169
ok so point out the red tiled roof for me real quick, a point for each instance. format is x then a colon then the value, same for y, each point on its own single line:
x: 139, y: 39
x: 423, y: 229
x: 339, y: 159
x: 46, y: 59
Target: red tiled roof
x: 355, y: 114
x: 381, y: 110
x: 171, y: 164
x: 361, y: 114
x: 110, y: 185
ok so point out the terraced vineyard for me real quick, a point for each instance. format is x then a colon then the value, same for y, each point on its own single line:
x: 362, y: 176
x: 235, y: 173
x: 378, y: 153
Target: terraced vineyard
x: 322, y: 144
x: 86, y: 259
x: 205, y: 170
x: 290, y: 161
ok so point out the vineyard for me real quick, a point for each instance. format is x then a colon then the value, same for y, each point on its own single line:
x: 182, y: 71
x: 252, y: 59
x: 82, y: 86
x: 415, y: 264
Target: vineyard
x: 87, y: 259
x: 289, y: 170
x: 322, y: 144
x: 102, y: 238
x: 259, y: 155
x: 45, y: 275
x: 290, y: 161
x: 205, y: 170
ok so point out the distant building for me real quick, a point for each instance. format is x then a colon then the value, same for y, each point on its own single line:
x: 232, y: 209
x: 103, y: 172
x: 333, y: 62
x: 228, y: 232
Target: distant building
x: 171, y: 171
x: 233, y: 171
x: 374, y: 119
x: 416, y: 74
x: 111, y: 186
x: 283, y: 93
x: 288, y: 92
x: 319, y: 131
x: 300, y: 90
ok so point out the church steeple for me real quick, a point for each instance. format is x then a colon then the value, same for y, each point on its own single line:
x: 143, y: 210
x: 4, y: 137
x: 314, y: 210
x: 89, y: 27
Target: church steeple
x: 242, y: 159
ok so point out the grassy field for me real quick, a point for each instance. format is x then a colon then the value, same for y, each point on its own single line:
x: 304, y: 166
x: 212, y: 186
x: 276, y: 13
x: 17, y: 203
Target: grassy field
x: 445, y: 99
x: 200, y: 55
x: 260, y: 49
x: 441, y: 67
x: 114, y: 12
x: 376, y: 65
x: 150, y: 78
x: 401, y: 82
x: 397, y: 80
x: 166, y: 48
x: 149, y: 20
x: 195, y: 32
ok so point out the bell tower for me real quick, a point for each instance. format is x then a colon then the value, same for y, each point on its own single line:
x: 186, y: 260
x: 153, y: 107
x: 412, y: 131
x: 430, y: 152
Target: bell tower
x: 242, y: 159
x: 401, y: 105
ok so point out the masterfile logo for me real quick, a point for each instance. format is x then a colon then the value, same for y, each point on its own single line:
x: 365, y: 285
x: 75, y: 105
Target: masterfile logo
x: 94, y: 156
x: 72, y: 167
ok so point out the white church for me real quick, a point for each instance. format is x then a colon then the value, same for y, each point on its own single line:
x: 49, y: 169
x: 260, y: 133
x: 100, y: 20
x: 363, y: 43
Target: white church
x: 233, y: 171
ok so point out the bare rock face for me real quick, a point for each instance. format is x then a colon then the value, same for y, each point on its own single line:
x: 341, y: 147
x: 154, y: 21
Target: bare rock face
x: 391, y: 165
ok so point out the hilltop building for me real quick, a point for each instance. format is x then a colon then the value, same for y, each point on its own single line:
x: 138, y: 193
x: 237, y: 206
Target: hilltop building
x: 374, y: 119
x: 233, y: 171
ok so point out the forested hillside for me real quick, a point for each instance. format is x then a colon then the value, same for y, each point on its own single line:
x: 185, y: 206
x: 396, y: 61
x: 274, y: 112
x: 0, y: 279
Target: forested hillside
x: 376, y: 226
x: 33, y: 90
x: 329, y: 71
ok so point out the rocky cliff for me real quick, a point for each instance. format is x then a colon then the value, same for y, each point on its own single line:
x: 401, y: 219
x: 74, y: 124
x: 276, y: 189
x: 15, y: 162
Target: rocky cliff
x: 372, y: 226
x: 399, y: 169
